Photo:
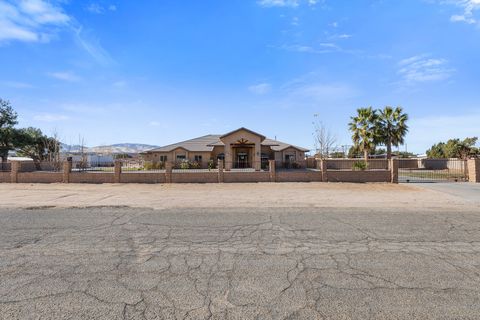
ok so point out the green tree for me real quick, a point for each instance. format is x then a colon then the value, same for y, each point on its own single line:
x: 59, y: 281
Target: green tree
x: 454, y: 148
x: 364, y: 128
x: 392, y: 128
x: 8, y: 134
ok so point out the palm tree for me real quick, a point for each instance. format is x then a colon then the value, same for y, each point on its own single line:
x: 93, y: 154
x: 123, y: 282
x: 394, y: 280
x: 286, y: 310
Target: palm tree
x: 392, y: 127
x: 364, y: 129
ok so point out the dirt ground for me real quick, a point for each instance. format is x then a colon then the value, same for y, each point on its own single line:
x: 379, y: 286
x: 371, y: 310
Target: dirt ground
x: 162, y: 196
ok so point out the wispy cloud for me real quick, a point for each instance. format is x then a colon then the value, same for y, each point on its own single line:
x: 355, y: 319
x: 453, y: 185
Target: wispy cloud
x: 422, y: 68
x: 92, y: 46
x: 50, y: 117
x: 64, y: 76
x: 97, y: 8
x: 260, y: 88
x: 16, y: 84
x: 468, y: 7
x: 154, y: 123
x: 286, y: 3
x: 41, y: 20
x: 30, y: 20
x: 120, y: 84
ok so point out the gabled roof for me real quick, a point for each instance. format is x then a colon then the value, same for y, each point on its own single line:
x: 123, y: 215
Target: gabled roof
x: 208, y: 142
x: 197, y: 144
x: 243, y: 129
x: 280, y: 146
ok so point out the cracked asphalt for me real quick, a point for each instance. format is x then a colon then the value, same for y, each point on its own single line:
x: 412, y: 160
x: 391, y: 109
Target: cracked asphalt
x: 239, y: 263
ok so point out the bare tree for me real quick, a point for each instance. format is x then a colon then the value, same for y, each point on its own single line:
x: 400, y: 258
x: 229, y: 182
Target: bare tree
x: 52, y: 145
x: 325, y: 141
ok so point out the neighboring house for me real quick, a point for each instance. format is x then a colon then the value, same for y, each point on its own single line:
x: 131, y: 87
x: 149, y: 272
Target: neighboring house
x: 90, y: 158
x: 241, y: 148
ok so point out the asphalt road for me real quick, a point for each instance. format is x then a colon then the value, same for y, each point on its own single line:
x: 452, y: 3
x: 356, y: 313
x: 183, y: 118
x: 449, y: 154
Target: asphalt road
x: 318, y: 263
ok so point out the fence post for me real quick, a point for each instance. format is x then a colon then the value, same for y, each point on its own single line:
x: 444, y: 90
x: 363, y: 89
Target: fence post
x: 168, y: 172
x: 323, y: 167
x: 394, y: 170
x: 15, y: 168
x: 272, y: 170
x: 118, y: 171
x: 67, y: 168
x: 220, y: 171
x: 473, y: 170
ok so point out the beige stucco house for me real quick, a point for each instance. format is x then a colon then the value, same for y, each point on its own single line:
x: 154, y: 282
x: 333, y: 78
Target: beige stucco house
x: 241, y: 148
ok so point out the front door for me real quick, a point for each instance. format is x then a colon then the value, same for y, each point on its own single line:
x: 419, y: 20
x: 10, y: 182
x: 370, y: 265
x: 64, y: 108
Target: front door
x: 242, y: 160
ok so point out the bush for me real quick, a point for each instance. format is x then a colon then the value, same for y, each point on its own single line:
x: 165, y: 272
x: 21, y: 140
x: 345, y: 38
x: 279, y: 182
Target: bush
x: 211, y: 164
x: 359, y: 165
x: 194, y: 165
x: 154, y: 165
x: 185, y: 164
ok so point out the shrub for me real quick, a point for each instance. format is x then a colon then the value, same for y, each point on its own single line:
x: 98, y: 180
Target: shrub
x: 359, y: 165
x: 185, y: 164
x: 194, y: 165
x: 211, y: 165
x: 154, y: 165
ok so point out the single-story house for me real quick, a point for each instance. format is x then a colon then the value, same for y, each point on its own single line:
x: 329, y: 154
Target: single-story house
x: 241, y: 148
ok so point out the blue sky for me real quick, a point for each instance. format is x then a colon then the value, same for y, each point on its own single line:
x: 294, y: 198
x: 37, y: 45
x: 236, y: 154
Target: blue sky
x: 162, y: 71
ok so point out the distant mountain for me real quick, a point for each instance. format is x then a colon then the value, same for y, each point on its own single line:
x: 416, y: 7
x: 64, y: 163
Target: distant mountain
x: 114, y: 148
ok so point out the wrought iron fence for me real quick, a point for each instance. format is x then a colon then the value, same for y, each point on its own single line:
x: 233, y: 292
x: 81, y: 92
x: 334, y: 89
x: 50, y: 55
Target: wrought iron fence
x: 130, y: 166
x: 93, y: 166
x: 432, y: 170
x: 48, y: 166
x: 357, y: 164
x: 246, y: 166
x: 5, y: 166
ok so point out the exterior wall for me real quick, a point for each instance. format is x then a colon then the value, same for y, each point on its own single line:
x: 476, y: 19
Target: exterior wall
x: 142, y: 177
x: 195, y: 177
x: 246, y: 176
x: 359, y: 176
x: 299, y: 157
x: 40, y: 177
x: 233, y: 138
x: 216, y: 151
x: 172, y: 156
x: 91, y: 177
x: 298, y: 176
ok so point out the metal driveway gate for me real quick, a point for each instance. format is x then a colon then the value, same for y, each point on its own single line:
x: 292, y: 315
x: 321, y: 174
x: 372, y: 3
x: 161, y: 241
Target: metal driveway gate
x: 432, y: 170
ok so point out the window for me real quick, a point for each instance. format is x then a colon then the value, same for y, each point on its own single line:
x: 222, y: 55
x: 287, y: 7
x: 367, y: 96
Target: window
x: 198, y: 158
x: 221, y: 156
x: 163, y: 158
x: 181, y: 157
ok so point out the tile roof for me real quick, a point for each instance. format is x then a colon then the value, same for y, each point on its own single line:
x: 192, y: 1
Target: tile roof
x: 203, y: 143
x: 208, y: 142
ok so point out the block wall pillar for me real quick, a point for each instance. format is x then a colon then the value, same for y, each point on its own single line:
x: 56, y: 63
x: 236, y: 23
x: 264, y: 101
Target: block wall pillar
x: 220, y: 171
x: 272, y: 170
x: 67, y: 168
x: 168, y: 172
x: 118, y: 171
x: 473, y: 167
x: 394, y: 170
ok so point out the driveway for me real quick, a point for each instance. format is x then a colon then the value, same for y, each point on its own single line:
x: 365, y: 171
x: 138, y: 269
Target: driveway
x: 470, y: 192
x: 239, y: 263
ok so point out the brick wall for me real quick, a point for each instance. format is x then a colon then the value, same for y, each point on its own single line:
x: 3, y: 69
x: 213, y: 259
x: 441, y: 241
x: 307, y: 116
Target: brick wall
x: 91, y: 177
x: 261, y: 176
x: 299, y: 176
x: 195, y: 177
x: 39, y: 177
x: 359, y: 176
x: 142, y: 177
